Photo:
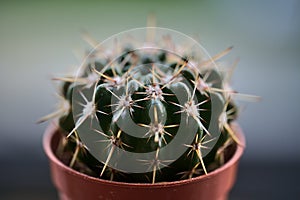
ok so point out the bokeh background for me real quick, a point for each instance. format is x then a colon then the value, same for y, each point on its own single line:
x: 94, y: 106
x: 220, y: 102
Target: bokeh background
x: 41, y: 39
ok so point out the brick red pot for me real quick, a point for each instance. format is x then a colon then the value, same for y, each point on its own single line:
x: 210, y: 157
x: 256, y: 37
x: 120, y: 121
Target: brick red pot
x: 72, y: 185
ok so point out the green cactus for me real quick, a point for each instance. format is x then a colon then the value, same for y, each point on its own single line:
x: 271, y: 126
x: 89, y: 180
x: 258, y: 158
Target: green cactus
x: 175, y: 105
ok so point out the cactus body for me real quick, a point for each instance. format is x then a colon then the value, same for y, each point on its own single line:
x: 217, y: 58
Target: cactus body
x: 146, y: 115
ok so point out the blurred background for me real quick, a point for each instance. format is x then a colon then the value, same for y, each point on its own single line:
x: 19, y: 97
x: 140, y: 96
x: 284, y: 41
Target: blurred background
x: 41, y: 39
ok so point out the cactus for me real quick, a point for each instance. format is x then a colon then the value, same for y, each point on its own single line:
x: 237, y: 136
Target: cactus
x: 145, y: 116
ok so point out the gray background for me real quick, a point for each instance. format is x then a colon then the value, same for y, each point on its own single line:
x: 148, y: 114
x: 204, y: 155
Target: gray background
x: 37, y: 41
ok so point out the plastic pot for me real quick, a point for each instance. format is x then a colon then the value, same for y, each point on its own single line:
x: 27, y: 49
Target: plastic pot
x: 73, y: 185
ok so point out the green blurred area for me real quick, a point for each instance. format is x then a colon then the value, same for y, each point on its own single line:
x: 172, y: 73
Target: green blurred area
x: 40, y: 39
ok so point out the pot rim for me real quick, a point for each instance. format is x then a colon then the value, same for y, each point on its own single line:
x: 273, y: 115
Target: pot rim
x: 53, y: 127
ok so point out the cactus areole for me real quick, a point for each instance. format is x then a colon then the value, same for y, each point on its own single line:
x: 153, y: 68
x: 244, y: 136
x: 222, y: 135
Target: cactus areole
x: 147, y: 106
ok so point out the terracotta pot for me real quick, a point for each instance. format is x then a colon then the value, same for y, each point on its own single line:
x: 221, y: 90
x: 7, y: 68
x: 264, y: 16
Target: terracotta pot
x: 72, y: 185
